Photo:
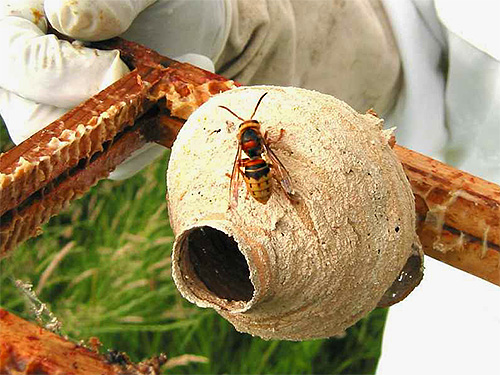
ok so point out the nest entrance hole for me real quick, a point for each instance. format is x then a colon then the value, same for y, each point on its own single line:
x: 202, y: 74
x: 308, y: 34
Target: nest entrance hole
x: 213, y: 258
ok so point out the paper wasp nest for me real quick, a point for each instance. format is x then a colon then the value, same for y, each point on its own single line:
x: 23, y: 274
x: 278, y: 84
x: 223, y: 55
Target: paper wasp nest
x: 291, y: 270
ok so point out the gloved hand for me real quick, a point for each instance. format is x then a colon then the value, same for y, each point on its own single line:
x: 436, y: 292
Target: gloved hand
x: 42, y: 77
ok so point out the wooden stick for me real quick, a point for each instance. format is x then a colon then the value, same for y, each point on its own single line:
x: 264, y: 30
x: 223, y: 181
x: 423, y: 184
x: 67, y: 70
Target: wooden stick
x: 26, y: 348
x: 458, y: 215
x: 39, y: 177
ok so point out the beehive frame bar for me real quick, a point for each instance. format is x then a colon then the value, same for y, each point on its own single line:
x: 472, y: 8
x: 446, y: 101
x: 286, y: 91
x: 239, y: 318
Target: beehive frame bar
x: 459, y: 214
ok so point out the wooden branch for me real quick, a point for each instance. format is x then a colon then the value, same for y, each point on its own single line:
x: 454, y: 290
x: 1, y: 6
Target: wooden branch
x: 39, y: 177
x: 458, y: 215
x: 26, y: 348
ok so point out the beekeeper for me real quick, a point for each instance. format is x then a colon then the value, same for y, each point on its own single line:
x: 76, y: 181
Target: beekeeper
x: 429, y: 67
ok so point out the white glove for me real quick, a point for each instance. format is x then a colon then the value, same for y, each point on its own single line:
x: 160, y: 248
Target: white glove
x: 42, y: 77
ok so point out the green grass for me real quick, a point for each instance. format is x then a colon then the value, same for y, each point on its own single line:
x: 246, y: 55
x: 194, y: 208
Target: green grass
x: 103, y: 268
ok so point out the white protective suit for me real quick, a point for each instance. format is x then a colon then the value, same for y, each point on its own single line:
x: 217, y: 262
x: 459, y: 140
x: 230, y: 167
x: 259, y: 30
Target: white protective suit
x: 450, y: 324
x: 434, y: 75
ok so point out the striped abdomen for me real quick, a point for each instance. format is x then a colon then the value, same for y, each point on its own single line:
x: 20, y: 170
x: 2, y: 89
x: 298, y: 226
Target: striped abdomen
x: 258, y: 179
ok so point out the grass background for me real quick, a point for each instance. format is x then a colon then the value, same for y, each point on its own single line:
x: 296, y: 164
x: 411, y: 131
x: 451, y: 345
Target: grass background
x: 103, y: 269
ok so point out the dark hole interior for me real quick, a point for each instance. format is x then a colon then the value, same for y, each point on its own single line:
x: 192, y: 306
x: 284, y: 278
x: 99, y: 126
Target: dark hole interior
x: 219, y: 264
x: 408, y: 279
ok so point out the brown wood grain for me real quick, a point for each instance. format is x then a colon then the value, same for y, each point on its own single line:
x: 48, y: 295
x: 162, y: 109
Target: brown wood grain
x: 40, y: 176
x: 458, y: 215
x: 26, y: 348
